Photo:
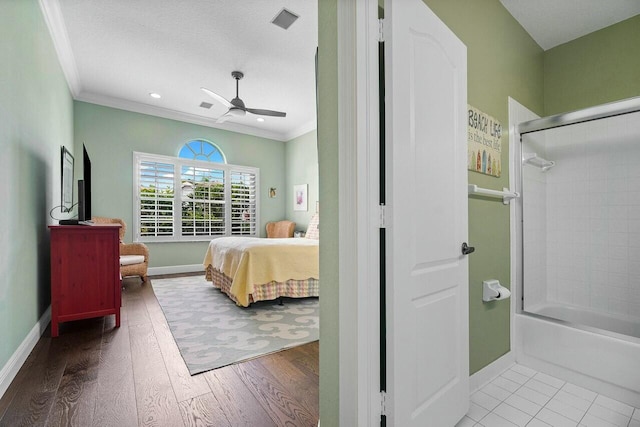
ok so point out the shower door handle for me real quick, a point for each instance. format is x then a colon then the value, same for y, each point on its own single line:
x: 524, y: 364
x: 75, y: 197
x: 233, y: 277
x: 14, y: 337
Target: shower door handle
x: 466, y: 249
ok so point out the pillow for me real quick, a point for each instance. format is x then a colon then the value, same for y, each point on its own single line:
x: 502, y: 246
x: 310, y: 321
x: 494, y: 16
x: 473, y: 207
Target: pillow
x: 131, y: 259
x: 313, y: 231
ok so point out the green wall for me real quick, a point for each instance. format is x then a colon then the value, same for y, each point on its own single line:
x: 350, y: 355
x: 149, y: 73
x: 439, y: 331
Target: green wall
x: 328, y: 185
x: 302, y: 168
x: 112, y: 135
x: 600, y: 67
x: 36, y: 119
x: 503, y: 60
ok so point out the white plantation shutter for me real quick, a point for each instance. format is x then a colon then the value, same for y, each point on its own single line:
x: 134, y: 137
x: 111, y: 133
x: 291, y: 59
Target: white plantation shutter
x: 184, y: 200
x: 203, y: 201
x: 155, y: 193
x: 243, y: 203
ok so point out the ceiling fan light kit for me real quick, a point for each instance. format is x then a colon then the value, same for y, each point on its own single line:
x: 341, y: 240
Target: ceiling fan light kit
x: 236, y: 107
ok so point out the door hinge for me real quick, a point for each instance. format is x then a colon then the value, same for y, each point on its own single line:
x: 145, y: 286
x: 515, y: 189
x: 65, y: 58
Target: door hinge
x: 380, y: 30
x: 383, y: 216
x: 383, y: 403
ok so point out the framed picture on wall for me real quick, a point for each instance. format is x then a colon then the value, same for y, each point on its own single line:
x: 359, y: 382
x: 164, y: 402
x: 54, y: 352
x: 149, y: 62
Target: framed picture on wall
x: 300, y: 197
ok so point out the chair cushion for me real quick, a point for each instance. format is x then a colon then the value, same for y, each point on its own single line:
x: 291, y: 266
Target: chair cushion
x: 131, y: 259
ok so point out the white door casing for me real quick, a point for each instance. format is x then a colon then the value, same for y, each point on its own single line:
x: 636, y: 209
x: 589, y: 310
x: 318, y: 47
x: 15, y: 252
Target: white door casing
x: 427, y: 275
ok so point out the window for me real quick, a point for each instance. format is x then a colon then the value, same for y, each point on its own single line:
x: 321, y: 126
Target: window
x: 178, y: 199
x: 200, y: 149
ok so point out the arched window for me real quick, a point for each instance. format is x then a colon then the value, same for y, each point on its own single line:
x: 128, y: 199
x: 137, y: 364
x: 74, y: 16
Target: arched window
x: 200, y: 149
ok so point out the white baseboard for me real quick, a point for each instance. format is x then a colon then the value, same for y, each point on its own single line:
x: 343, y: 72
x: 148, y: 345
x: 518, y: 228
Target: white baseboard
x: 492, y: 370
x: 17, y: 359
x: 174, y: 269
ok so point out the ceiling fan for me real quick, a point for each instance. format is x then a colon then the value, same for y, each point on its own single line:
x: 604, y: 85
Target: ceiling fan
x: 236, y: 105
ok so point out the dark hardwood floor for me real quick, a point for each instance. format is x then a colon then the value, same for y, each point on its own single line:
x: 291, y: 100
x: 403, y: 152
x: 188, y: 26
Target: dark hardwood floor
x: 94, y: 374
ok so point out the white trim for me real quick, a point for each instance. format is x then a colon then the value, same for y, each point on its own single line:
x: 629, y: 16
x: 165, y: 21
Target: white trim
x: 175, y: 269
x: 17, y: 359
x: 58, y: 30
x: 301, y: 130
x: 152, y: 110
x: 348, y: 358
x: 491, y: 371
x: 358, y: 128
x: 368, y: 202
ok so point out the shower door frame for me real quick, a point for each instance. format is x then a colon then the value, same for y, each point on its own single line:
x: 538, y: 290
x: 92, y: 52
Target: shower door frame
x: 603, y: 111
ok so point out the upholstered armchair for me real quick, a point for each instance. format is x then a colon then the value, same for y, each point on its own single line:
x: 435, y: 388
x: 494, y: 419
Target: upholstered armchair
x: 280, y: 229
x: 134, y: 257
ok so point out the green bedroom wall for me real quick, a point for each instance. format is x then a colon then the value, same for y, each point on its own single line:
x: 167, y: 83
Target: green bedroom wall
x: 594, y: 69
x: 328, y: 189
x: 502, y: 60
x: 112, y: 135
x: 36, y: 119
x: 302, y: 168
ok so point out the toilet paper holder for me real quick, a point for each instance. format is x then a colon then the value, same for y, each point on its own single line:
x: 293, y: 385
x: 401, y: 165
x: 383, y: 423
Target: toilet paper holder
x: 492, y: 290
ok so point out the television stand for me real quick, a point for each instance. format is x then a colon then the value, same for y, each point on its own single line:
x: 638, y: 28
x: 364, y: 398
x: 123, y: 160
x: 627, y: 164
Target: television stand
x: 85, y: 273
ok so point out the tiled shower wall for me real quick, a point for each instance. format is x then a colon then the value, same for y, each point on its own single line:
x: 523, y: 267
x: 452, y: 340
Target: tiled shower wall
x: 534, y: 200
x: 592, y: 215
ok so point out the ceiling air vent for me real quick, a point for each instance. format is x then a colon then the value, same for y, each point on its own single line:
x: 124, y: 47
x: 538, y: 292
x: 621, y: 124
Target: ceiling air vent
x: 284, y: 19
x: 206, y: 105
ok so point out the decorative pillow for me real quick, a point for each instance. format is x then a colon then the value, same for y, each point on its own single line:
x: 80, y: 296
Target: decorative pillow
x: 131, y: 259
x: 313, y: 231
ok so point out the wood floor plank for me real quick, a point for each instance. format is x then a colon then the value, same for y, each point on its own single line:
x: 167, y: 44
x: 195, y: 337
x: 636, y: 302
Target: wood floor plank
x: 76, y: 396
x: 38, y: 387
x: 155, y: 399
x: 22, y: 374
x: 185, y: 386
x: 301, y: 384
x: 135, y: 375
x: 273, y: 396
x: 235, y: 400
x: 203, y: 411
x: 116, y: 394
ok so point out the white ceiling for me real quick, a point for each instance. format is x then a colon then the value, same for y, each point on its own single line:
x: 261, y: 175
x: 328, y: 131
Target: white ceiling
x: 116, y: 52
x: 554, y: 22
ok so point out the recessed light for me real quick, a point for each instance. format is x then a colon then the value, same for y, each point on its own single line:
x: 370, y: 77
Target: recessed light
x: 155, y: 95
x: 260, y: 119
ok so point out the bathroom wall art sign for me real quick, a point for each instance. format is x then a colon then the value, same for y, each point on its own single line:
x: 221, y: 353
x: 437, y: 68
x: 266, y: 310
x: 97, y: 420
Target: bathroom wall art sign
x: 484, y: 137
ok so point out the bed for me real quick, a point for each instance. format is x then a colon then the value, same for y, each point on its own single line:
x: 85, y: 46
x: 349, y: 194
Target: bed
x: 250, y: 269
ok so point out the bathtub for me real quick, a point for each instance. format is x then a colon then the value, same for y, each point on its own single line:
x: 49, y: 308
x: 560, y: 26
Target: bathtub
x: 578, y: 349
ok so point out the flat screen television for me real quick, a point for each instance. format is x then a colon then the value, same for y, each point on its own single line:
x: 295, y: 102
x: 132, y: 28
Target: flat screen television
x: 84, y: 188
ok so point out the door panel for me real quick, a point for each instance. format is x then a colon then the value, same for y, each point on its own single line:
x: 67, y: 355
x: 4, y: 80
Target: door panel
x: 427, y: 276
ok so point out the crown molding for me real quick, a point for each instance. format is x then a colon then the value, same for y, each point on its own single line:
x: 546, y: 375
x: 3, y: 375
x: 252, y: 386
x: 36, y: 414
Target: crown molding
x: 58, y: 31
x: 301, y: 130
x: 166, y: 113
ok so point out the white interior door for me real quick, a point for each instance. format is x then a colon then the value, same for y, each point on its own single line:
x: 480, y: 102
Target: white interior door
x: 427, y: 275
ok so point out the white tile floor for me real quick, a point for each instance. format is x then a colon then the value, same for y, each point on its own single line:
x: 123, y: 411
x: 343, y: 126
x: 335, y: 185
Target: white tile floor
x: 523, y: 397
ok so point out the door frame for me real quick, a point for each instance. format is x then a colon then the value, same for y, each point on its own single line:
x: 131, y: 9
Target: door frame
x: 359, y: 217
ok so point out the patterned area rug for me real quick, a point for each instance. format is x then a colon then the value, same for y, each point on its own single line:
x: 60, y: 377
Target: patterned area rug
x: 212, y: 332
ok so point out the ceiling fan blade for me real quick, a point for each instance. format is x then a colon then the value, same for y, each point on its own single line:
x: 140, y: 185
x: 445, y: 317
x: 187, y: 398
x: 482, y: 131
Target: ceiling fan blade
x: 266, y: 112
x: 223, y: 118
x: 217, y: 97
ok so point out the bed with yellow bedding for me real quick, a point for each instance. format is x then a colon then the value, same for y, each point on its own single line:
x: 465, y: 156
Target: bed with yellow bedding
x: 250, y: 269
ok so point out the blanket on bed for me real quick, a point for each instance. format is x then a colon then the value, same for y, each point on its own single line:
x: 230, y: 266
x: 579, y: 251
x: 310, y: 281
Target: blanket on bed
x: 252, y: 260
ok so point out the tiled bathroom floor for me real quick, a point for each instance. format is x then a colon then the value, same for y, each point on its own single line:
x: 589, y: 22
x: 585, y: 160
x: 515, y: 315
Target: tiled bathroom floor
x: 523, y: 397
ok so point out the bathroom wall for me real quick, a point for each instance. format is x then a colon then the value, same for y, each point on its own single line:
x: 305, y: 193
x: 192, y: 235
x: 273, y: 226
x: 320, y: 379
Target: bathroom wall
x: 597, y: 68
x: 593, y: 215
